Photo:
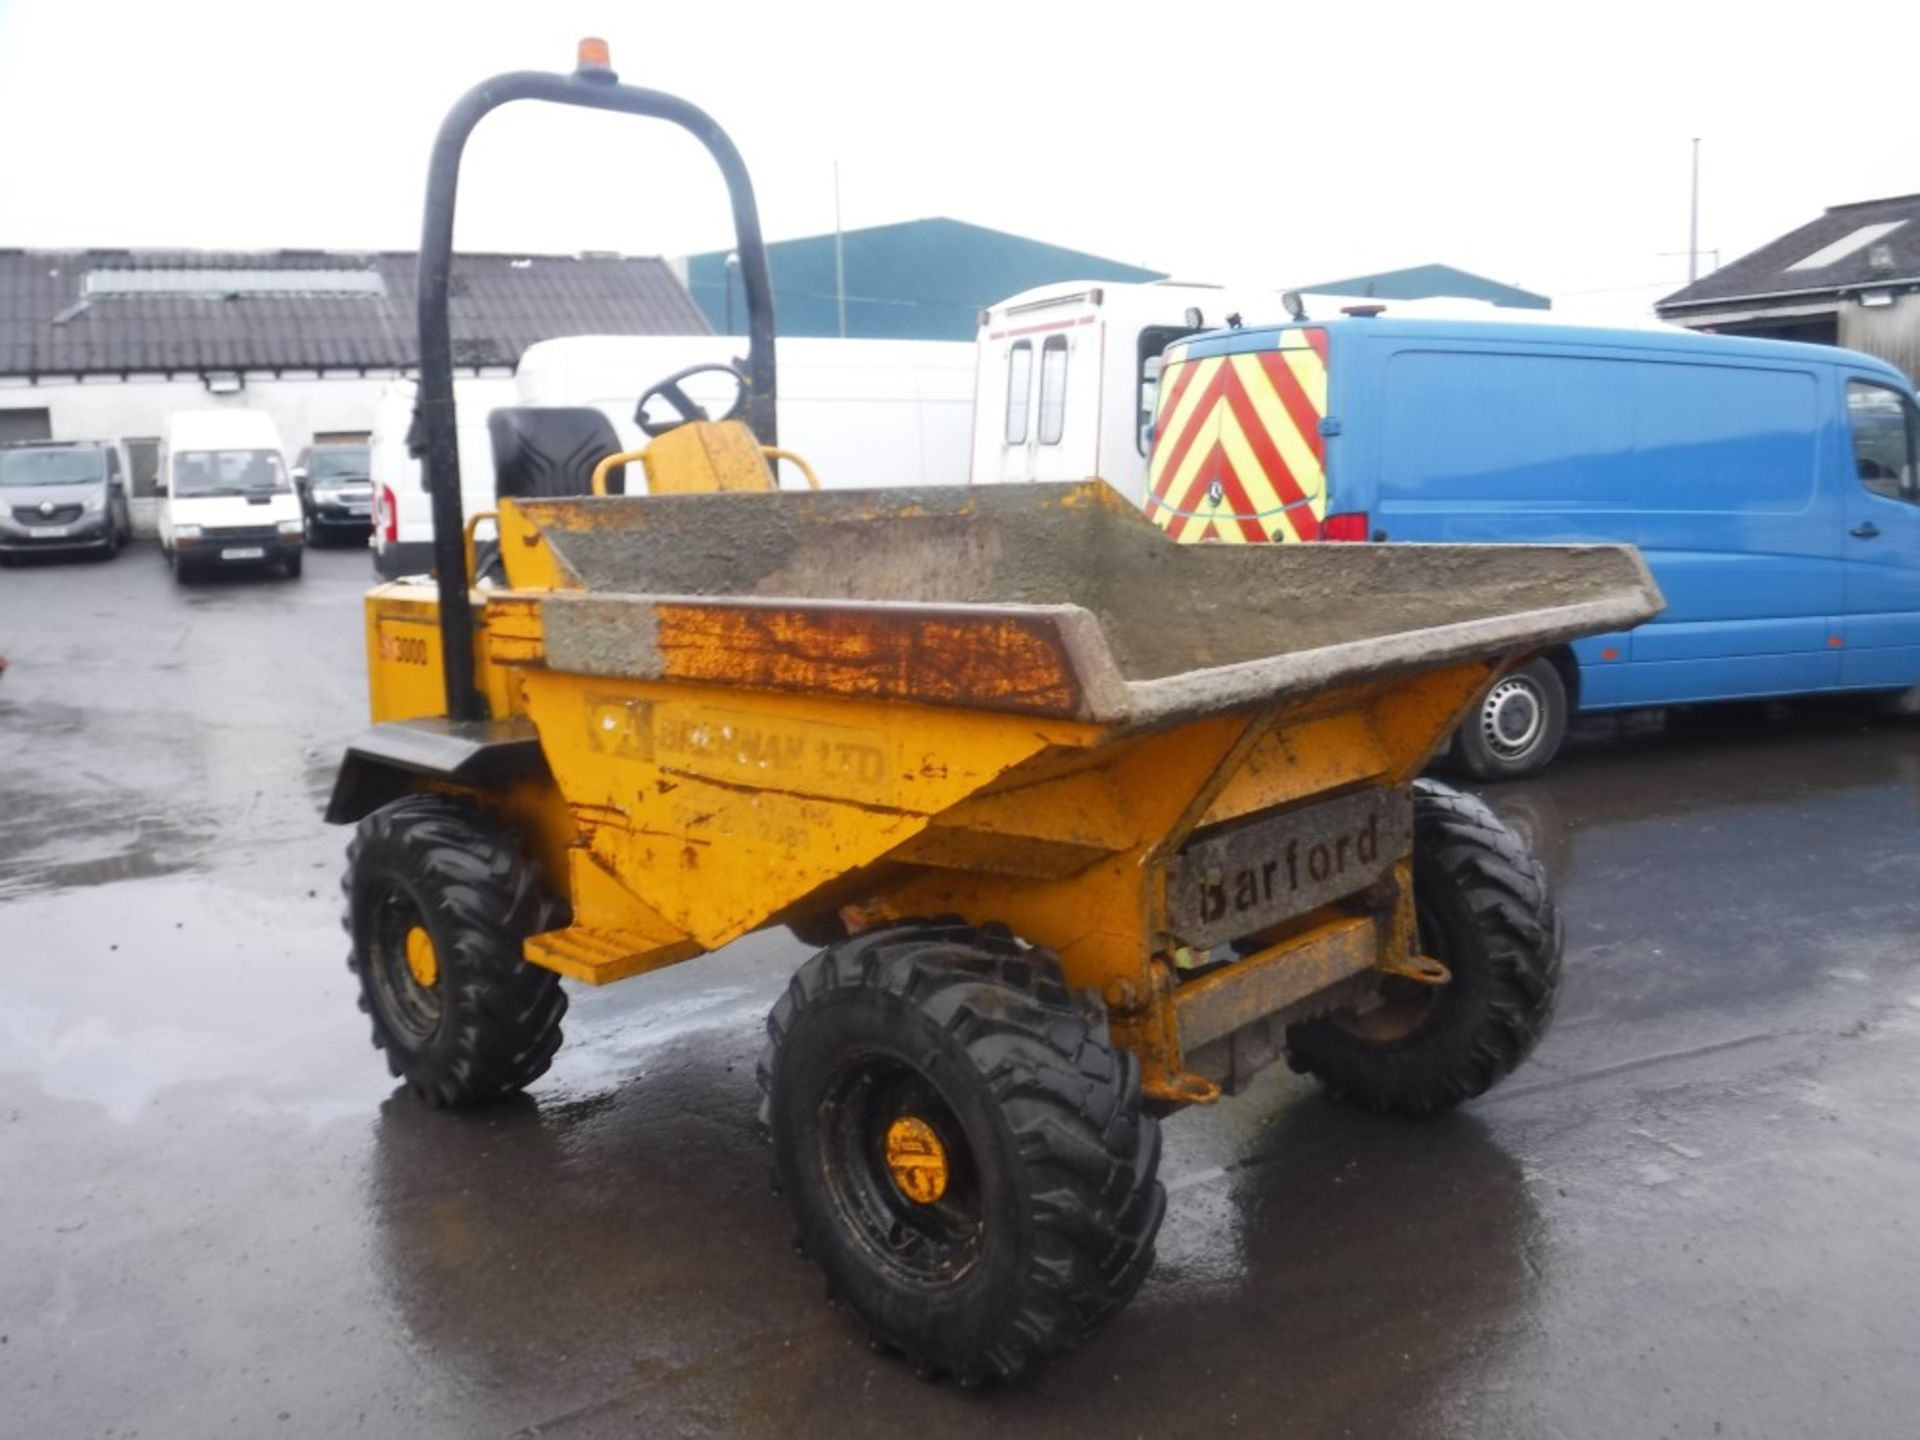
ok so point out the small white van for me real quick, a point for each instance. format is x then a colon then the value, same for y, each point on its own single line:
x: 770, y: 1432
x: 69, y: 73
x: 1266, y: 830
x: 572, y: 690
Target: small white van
x: 402, y: 509
x: 226, y: 496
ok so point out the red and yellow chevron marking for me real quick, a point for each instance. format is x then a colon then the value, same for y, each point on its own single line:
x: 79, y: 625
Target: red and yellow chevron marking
x: 1237, y: 451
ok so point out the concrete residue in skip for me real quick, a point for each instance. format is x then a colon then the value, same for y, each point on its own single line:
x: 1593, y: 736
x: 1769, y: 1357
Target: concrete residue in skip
x: 1166, y: 610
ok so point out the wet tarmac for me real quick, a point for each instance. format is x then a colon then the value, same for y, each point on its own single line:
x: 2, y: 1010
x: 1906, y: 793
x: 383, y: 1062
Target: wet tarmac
x: 1693, y: 1213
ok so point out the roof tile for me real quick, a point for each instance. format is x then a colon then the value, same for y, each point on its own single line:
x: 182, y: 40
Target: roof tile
x: 506, y: 306
x: 1768, y: 271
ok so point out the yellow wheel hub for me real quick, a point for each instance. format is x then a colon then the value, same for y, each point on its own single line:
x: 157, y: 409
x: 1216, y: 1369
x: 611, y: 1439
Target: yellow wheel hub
x: 422, y: 960
x: 916, y: 1160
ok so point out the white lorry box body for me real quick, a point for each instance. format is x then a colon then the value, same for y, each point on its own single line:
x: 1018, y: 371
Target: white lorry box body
x: 862, y: 413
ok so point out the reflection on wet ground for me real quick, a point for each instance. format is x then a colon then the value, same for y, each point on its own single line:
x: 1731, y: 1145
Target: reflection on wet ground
x: 1689, y: 1213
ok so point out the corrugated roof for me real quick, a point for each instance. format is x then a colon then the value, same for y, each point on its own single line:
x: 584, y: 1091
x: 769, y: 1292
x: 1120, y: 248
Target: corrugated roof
x: 917, y: 280
x: 1770, y: 271
x: 1430, y: 282
x: 50, y: 325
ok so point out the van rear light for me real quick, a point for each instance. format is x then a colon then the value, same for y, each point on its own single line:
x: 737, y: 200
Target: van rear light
x: 389, y: 516
x: 1351, y: 526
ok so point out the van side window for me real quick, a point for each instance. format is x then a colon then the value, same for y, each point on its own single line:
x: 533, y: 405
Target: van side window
x: 1886, y: 436
x: 1019, y: 390
x: 1053, y: 389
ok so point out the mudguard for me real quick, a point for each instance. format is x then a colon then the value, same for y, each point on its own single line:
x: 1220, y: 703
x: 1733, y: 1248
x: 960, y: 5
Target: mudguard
x: 391, y: 760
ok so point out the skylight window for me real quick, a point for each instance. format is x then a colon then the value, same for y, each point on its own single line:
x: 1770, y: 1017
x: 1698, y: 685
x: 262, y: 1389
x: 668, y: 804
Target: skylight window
x: 207, y: 282
x: 1846, y: 245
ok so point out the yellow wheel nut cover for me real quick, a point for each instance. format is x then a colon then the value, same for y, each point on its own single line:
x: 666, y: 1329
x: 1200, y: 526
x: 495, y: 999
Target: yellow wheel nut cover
x: 421, y: 959
x: 916, y: 1160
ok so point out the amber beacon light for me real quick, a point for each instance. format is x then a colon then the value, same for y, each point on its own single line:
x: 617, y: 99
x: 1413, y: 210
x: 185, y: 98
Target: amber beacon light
x: 593, y: 55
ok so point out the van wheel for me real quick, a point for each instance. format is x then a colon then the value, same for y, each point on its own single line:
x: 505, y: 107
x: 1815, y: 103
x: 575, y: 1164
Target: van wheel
x: 292, y: 567
x: 1517, y: 727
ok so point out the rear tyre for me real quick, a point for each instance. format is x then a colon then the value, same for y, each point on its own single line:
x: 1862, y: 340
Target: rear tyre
x: 1484, y: 913
x: 962, y: 1146
x: 1517, y: 727
x: 439, y: 901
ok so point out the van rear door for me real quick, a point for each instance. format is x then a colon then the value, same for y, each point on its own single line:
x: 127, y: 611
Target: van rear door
x: 1037, y: 399
x: 1238, y: 454
x: 1881, y: 637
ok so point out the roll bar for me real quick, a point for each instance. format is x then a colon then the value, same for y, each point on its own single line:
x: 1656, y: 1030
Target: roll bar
x: 594, y: 86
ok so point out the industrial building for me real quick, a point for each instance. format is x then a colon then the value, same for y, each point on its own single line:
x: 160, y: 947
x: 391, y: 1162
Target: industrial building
x: 1851, y: 277
x: 1431, y: 282
x: 918, y: 280
x: 105, y: 344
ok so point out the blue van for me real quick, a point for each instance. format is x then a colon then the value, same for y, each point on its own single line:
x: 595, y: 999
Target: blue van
x: 1773, y: 488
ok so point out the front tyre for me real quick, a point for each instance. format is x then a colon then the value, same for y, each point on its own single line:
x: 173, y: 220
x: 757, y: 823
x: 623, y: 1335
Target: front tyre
x: 962, y: 1146
x: 1518, y: 726
x: 1485, y: 913
x: 439, y: 901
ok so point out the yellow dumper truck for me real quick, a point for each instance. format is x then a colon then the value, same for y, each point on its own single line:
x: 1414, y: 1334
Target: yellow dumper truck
x: 1089, y: 825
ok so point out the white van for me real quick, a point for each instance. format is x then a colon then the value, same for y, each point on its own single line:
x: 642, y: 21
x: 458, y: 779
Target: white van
x: 402, y: 512
x: 226, y: 496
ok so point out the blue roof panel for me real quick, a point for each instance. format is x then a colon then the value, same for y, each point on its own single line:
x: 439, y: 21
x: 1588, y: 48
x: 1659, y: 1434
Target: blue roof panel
x: 918, y: 280
x: 1428, y: 282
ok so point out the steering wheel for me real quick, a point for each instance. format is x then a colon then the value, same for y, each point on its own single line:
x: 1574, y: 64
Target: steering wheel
x: 685, y: 410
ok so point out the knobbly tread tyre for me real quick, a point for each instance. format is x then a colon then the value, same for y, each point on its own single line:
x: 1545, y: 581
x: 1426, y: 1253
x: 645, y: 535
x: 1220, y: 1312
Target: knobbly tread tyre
x: 1073, y: 1143
x: 480, y: 899
x: 1505, y: 938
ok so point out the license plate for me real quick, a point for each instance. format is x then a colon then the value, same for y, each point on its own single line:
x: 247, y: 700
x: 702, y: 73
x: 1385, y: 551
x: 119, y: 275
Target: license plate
x: 244, y: 552
x: 362, y: 510
x: 1257, y: 873
x: 50, y: 532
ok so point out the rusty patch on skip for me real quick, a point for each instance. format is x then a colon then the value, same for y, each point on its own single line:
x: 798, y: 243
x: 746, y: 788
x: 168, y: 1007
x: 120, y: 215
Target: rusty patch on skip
x: 998, y: 662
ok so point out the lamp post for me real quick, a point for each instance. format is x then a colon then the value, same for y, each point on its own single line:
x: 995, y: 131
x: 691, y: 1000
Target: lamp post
x: 1693, y: 223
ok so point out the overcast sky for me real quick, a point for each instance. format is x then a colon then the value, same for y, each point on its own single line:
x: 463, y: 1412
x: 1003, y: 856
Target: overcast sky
x: 1541, y: 144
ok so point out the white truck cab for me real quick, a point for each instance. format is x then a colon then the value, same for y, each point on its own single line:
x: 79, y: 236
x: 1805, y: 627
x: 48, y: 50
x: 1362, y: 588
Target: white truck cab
x: 1067, y: 375
x: 227, y: 498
